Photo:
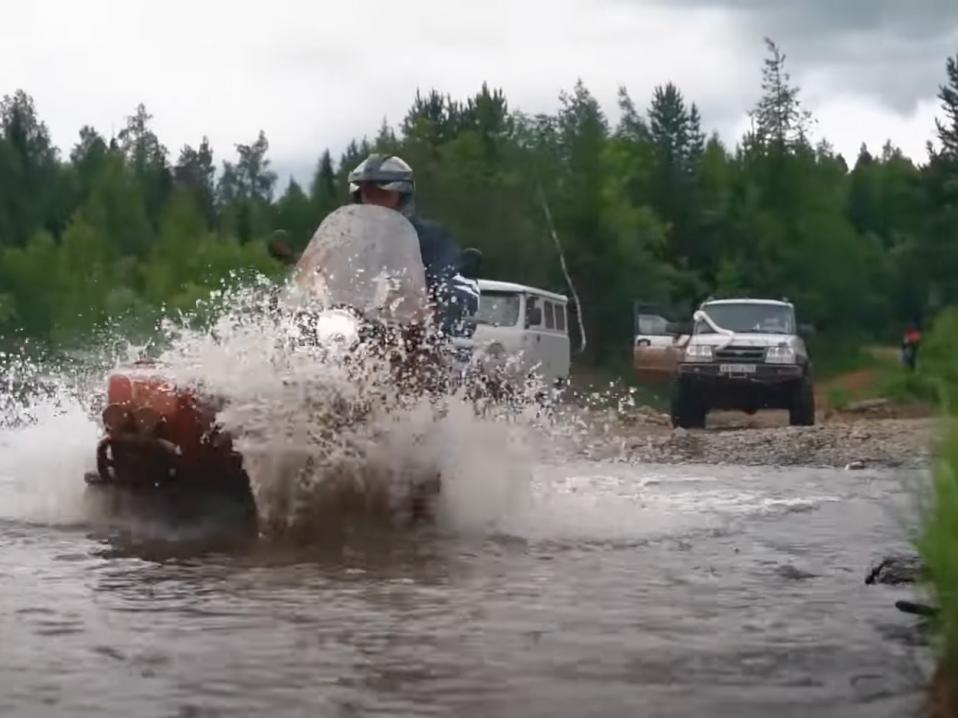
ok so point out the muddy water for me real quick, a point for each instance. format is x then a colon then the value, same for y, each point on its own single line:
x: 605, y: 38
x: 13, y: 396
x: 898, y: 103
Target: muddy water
x: 615, y: 590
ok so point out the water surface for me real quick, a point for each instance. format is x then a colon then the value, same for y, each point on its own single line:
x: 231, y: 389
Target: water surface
x: 614, y: 590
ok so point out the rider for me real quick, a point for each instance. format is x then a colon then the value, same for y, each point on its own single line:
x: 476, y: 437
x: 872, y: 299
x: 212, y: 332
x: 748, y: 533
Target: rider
x: 387, y: 181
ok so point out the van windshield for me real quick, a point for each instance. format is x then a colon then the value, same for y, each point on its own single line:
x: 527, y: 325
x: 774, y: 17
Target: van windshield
x: 500, y: 309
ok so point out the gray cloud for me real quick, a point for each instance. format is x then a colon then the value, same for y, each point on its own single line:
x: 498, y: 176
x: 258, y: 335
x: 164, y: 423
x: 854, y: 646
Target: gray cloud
x: 891, y: 49
x: 916, y: 19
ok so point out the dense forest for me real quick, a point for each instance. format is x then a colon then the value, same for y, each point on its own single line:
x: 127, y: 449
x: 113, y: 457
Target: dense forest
x: 652, y: 208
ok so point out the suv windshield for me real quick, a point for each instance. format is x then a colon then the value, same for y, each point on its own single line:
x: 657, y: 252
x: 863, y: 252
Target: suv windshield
x: 749, y: 318
x: 500, y: 309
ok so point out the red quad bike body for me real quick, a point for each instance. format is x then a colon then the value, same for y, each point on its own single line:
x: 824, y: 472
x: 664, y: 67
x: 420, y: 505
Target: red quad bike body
x: 164, y: 454
x: 162, y: 446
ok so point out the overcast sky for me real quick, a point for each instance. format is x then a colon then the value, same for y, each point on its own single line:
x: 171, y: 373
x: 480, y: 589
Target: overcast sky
x: 314, y: 74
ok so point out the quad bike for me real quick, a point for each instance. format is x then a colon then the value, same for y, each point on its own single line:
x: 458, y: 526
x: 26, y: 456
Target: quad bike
x: 162, y: 446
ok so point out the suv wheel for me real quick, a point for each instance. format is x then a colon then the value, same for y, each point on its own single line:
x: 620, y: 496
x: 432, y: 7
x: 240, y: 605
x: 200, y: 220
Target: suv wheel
x: 688, y: 410
x: 802, y: 409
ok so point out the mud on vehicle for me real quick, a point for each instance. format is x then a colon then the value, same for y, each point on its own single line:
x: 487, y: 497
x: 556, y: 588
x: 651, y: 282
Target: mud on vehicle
x: 745, y: 355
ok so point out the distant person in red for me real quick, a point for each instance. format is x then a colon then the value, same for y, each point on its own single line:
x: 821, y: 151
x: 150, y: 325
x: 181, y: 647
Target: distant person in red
x: 909, y: 345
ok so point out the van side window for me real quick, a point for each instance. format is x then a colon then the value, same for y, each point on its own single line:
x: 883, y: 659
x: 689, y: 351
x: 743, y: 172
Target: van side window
x: 550, y: 315
x: 560, y: 317
x: 533, y: 317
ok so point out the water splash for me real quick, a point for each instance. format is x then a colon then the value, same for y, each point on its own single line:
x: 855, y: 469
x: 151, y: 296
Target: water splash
x: 325, y: 431
x: 47, y: 431
x: 323, y: 428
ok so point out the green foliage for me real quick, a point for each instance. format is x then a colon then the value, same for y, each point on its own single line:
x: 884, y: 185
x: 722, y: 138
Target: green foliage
x: 837, y: 354
x: 948, y: 94
x: 650, y: 208
x: 112, y: 262
x: 296, y: 215
x: 194, y: 173
x: 30, y: 182
x: 839, y: 397
x: 938, y: 545
x: 938, y: 358
x: 903, y: 387
x: 932, y: 255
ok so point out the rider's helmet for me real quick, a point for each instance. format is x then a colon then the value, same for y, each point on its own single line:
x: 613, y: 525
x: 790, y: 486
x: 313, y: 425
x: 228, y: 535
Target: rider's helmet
x: 387, y: 172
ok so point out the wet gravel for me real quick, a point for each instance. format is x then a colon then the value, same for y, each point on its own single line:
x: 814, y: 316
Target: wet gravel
x: 645, y: 436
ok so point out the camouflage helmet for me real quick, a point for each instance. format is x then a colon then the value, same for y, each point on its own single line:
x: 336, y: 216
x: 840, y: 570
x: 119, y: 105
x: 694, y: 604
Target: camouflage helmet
x: 387, y: 172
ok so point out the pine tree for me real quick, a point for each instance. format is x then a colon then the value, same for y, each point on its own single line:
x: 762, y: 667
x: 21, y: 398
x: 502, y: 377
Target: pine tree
x: 140, y: 145
x: 386, y: 141
x: 295, y: 215
x: 631, y: 125
x: 322, y: 192
x: 433, y: 119
x: 147, y: 157
x: 194, y: 172
x: 29, y: 172
x: 948, y: 94
x: 90, y: 150
x: 250, y: 178
x: 780, y: 121
x: 696, y: 137
x: 487, y: 114
x: 670, y: 127
x: 678, y: 147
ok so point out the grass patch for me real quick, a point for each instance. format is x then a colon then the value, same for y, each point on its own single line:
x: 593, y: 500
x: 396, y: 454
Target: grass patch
x: 876, y: 372
x: 938, y: 546
x: 938, y: 543
x: 907, y: 388
x: 833, y: 356
x: 839, y: 397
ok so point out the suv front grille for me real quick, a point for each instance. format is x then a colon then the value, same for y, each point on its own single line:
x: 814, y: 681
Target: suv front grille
x: 741, y: 354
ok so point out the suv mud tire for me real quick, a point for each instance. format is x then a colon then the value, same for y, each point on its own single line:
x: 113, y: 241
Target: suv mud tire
x: 802, y: 409
x: 688, y: 410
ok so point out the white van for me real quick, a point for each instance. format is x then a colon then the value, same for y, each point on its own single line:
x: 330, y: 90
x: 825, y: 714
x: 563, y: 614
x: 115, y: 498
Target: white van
x: 532, y: 324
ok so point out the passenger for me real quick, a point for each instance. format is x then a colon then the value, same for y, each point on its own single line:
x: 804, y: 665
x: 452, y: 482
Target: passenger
x: 388, y: 181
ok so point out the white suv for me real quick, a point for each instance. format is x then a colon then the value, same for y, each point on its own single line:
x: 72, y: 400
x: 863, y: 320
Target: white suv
x: 747, y: 355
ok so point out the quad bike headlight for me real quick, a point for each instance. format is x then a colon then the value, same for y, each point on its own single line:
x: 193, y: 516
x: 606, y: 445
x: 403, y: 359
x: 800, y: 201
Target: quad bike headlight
x: 337, y: 327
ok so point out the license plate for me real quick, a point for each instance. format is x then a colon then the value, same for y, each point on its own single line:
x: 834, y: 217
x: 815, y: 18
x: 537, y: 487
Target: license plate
x: 737, y: 368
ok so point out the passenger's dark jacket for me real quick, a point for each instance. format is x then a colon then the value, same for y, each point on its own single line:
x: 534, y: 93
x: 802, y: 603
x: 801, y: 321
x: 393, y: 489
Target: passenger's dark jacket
x: 455, y: 296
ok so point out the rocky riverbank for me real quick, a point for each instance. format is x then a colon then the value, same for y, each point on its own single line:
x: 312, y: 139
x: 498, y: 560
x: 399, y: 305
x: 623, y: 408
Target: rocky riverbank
x: 846, y: 442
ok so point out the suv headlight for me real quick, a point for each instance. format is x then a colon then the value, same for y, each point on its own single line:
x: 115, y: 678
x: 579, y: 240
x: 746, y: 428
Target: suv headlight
x: 698, y: 352
x: 780, y: 355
